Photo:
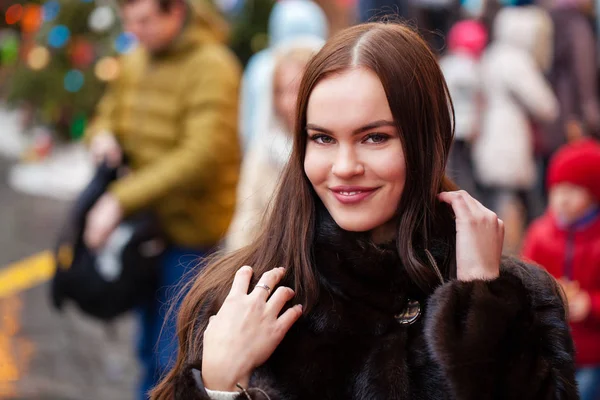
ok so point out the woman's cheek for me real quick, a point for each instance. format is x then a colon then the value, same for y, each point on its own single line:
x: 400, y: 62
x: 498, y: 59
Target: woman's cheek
x: 315, y: 167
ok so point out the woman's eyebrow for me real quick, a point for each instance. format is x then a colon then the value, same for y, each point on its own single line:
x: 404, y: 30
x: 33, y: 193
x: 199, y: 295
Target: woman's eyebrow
x: 368, y: 127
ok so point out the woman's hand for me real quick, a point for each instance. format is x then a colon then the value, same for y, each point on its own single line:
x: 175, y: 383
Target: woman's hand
x: 246, y: 330
x: 479, y: 237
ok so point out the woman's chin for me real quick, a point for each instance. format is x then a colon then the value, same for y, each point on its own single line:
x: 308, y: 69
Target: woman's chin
x: 357, y: 224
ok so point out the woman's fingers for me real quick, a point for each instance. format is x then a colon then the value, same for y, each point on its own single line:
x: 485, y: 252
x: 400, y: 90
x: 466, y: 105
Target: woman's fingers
x: 241, y: 281
x: 288, y: 318
x: 277, y: 301
x: 458, y: 201
x: 468, y: 209
x: 501, y: 234
x: 267, y: 283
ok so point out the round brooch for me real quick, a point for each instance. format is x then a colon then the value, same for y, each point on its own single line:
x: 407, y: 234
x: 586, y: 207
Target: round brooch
x: 410, y: 314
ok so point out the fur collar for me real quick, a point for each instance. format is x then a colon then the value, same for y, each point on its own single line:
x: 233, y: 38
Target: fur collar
x: 369, y: 277
x: 356, y: 269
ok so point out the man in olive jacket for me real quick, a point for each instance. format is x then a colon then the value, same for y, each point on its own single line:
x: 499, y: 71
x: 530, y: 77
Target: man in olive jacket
x: 173, y: 114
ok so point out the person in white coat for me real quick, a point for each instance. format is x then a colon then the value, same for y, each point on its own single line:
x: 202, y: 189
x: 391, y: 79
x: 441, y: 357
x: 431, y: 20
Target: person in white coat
x: 269, y: 151
x: 517, y: 94
x: 289, y: 19
x: 466, y: 41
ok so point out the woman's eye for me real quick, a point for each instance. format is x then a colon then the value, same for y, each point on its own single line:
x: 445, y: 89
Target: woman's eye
x: 322, y: 139
x: 376, y: 138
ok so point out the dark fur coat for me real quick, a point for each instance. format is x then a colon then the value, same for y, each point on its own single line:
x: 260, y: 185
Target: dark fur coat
x: 501, y: 339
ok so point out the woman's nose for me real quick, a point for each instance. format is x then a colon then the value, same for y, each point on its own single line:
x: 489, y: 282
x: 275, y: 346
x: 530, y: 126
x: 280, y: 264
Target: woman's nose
x: 347, y: 163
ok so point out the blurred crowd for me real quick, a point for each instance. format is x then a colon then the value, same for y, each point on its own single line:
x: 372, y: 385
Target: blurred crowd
x: 205, y: 141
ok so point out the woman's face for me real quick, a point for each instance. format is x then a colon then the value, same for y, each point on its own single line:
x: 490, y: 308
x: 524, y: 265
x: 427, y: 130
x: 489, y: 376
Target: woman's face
x: 354, y: 157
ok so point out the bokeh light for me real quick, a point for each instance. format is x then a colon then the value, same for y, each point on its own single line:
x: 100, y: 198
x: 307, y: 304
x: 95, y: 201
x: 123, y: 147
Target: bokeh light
x: 50, y: 10
x: 101, y: 19
x: 9, y: 49
x: 78, y: 125
x: 73, y: 80
x: 32, y: 18
x: 107, y: 69
x: 58, y: 36
x: 125, y: 42
x: 81, y: 53
x: 38, y: 58
x: 14, y: 14
x: 231, y: 7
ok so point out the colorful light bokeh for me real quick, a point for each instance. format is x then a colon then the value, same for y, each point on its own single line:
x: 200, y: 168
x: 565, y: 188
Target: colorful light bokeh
x: 74, y: 80
x: 78, y: 125
x: 14, y: 14
x: 32, y: 18
x: 9, y: 49
x: 101, y: 19
x: 51, y: 9
x: 81, y: 53
x: 58, y: 36
x: 125, y: 42
x: 107, y: 69
x: 38, y: 58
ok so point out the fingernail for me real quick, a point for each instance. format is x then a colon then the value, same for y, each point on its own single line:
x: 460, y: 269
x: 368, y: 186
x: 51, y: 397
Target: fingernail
x: 247, y: 267
x: 299, y: 306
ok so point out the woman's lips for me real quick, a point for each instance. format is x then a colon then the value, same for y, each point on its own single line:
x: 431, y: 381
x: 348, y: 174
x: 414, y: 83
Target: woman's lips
x: 352, y: 194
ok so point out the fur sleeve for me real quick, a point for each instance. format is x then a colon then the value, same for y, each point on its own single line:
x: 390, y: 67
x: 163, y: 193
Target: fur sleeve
x: 503, y: 339
x: 190, y: 386
x: 187, y: 383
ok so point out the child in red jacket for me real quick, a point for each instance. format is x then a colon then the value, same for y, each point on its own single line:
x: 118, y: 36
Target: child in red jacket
x: 566, y: 241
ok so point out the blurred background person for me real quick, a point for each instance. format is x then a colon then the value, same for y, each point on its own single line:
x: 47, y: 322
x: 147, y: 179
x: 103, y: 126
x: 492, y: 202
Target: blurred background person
x: 172, y: 115
x: 270, y: 149
x: 466, y: 41
x: 516, y: 92
x: 573, y: 79
x: 289, y: 19
x: 566, y: 241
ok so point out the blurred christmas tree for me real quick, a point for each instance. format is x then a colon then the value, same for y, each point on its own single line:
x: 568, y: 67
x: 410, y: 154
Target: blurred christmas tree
x: 249, y: 21
x: 66, y: 55
x: 59, y: 54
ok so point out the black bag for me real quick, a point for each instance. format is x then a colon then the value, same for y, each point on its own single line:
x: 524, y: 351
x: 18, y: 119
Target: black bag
x: 119, y: 277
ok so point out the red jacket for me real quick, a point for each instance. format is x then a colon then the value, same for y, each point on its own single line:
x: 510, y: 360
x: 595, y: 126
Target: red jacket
x: 573, y: 253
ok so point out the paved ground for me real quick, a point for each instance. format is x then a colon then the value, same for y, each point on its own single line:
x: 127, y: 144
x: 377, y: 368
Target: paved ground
x: 43, y: 354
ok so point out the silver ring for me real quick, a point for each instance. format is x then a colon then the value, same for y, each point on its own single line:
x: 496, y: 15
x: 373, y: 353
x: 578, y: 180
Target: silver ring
x: 264, y: 286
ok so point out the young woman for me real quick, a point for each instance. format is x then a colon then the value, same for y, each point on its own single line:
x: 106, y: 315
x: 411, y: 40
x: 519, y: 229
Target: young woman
x: 371, y: 278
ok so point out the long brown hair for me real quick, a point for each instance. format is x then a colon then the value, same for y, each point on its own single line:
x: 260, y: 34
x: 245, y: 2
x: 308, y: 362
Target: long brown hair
x: 421, y: 106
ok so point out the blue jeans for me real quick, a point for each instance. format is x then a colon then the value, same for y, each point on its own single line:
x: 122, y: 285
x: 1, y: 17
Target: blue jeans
x: 588, y: 380
x: 157, y: 343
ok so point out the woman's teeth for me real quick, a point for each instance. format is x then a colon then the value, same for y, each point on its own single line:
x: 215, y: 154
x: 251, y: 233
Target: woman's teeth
x: 349, y: 193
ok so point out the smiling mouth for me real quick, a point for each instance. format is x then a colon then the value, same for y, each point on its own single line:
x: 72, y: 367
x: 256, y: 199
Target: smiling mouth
x: 352, y: 195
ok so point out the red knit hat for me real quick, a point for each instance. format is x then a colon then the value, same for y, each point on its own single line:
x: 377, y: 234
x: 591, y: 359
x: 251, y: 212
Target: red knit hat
x: 469, y: 36
x: 577, y: 163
